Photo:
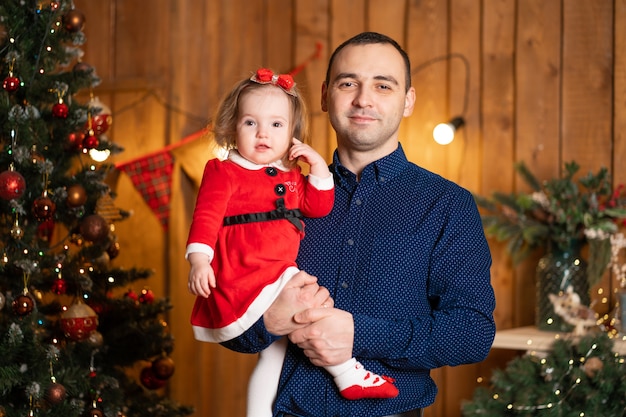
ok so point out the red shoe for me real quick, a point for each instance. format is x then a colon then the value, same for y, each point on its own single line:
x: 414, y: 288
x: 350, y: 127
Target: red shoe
x: 360, y: 383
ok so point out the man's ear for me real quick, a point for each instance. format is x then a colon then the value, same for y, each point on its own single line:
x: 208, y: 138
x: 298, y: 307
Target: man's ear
x: 324, y: 97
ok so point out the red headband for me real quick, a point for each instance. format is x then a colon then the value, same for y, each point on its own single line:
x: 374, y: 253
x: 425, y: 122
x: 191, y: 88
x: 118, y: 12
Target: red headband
x: 267, y: 76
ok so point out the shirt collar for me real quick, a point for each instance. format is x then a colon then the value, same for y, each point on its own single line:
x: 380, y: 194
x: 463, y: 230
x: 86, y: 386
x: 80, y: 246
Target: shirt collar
x: 235, y: 157
x: 383, y: 170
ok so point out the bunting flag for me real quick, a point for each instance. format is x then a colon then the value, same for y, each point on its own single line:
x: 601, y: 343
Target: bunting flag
x: 152, y: 177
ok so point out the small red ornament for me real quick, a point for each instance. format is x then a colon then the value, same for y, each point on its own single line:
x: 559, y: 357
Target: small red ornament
x: 59, y: 286
x: 43, y: 208
x: 11, y: 84
x: 79, y: 321
x: 150, y: 380
x: 23, y: 305
x: 73, y: 21
x: 94, y: 228
x: 131, y: 294
x: 55, y: 393
x: 163, y: 367
x: 146, y: 297
x: 75, y: 141
x: 12, y: 184
x: 91, y: 141
x: 100, y: 118
x: 113, y: 250
x: 60, y: 110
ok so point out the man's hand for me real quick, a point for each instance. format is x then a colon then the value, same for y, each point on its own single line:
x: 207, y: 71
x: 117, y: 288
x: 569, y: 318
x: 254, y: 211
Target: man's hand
x: 301, y: 293
x: 328, y: 338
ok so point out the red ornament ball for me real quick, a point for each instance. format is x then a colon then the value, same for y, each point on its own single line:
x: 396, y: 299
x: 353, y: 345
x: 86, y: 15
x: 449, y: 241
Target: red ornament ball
x: 43, y: 208
x: 11, y: 84
x: 60, y: 110
x: 73, y: 21
x: 76, y: 196
x: 150, y: 380
x: 55, y: 393
x: 163, y: 367
x: 94, y: 228
x: 146, y: 297
x: 12, y: 184
x: 91, y: 141
x: 131, y: 294
x: 78, y: 321
x: 23, y: 305
x: 75, y: 141
x: 59, y: 286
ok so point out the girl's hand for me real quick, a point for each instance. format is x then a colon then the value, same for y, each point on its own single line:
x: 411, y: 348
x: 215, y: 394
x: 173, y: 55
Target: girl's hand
x: 307, y: 154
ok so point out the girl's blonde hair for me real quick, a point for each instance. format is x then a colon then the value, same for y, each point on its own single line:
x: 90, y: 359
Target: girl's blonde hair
x: 225, y: 120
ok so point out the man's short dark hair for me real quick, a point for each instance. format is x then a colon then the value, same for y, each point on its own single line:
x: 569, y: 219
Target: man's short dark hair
x: 367, y: 38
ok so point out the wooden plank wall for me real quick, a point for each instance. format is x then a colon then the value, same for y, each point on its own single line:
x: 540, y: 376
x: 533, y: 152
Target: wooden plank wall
x: 546, y: 83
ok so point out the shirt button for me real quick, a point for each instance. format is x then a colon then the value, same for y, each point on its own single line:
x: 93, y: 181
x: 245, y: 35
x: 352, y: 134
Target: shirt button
x: 271, y: 171
x: 350, y: 242
x: 344, y: 285
x: 358, y: 202
x: 280, y: 189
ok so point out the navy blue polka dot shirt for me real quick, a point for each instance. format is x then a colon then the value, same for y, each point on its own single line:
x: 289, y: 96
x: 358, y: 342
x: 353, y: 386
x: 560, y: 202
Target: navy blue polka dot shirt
x: 404, y: 251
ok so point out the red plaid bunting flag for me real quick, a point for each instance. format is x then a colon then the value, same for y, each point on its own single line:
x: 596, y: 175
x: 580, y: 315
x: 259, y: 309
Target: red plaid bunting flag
x: 152, y: 177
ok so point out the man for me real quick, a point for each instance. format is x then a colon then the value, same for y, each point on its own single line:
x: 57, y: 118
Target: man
x: 403, y: 255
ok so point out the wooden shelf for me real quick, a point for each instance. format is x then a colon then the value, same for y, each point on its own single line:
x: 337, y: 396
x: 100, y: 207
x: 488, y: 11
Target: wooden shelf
x: 533, y: 340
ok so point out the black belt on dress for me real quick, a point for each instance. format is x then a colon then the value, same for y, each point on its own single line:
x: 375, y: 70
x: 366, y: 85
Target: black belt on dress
x: 281, y: 212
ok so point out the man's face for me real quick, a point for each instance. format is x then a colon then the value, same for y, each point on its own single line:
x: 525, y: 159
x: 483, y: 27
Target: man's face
x: 366, y: 97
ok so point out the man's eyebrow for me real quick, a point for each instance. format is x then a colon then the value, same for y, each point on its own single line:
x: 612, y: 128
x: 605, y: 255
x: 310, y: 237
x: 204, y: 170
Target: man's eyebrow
x: 351, y: 75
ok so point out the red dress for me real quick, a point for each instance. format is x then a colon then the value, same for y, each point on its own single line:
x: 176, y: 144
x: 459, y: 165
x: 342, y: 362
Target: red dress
x: 253, y: 260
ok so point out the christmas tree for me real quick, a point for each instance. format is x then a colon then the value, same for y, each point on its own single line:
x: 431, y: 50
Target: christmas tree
x: 578, y: 378
x: 74, y: 340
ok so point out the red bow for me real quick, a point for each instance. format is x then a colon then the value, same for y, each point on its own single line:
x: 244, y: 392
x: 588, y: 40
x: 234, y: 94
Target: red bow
x: 267, y: 76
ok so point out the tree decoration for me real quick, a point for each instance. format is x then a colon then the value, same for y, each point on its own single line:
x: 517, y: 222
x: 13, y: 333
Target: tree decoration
x: 99, y: 117
x: 73, y: 21
x: 43, y: 207
x: 76, y: 195
x: 150, y: 380
x: 163, y: 367
x: 94, y: 228
x: 78, y: 321
x: 23, y: 304
x: 11, y: 83
x: 12, y: 184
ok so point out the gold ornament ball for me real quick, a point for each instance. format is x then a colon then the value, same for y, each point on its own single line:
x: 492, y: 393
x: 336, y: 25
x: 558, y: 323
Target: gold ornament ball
x: 592, y: 366
x: 23, y: 305
x: 163, y: 367
x: 76, y: 195
x: 95, y: 339
x: 73, y: 21
x: 55, y: 394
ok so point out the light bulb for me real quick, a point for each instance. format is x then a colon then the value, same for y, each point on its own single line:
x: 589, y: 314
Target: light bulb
x: 443, y: 133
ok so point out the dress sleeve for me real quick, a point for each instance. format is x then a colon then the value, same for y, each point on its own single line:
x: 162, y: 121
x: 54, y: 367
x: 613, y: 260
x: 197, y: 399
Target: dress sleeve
x: 213, y: 196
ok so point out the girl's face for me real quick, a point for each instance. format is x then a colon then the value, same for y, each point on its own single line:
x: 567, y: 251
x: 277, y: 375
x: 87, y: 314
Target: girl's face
x: 264, y: 125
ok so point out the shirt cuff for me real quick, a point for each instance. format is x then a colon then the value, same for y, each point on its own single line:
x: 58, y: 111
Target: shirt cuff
x: 322, y: 184
x: 201, y: 248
